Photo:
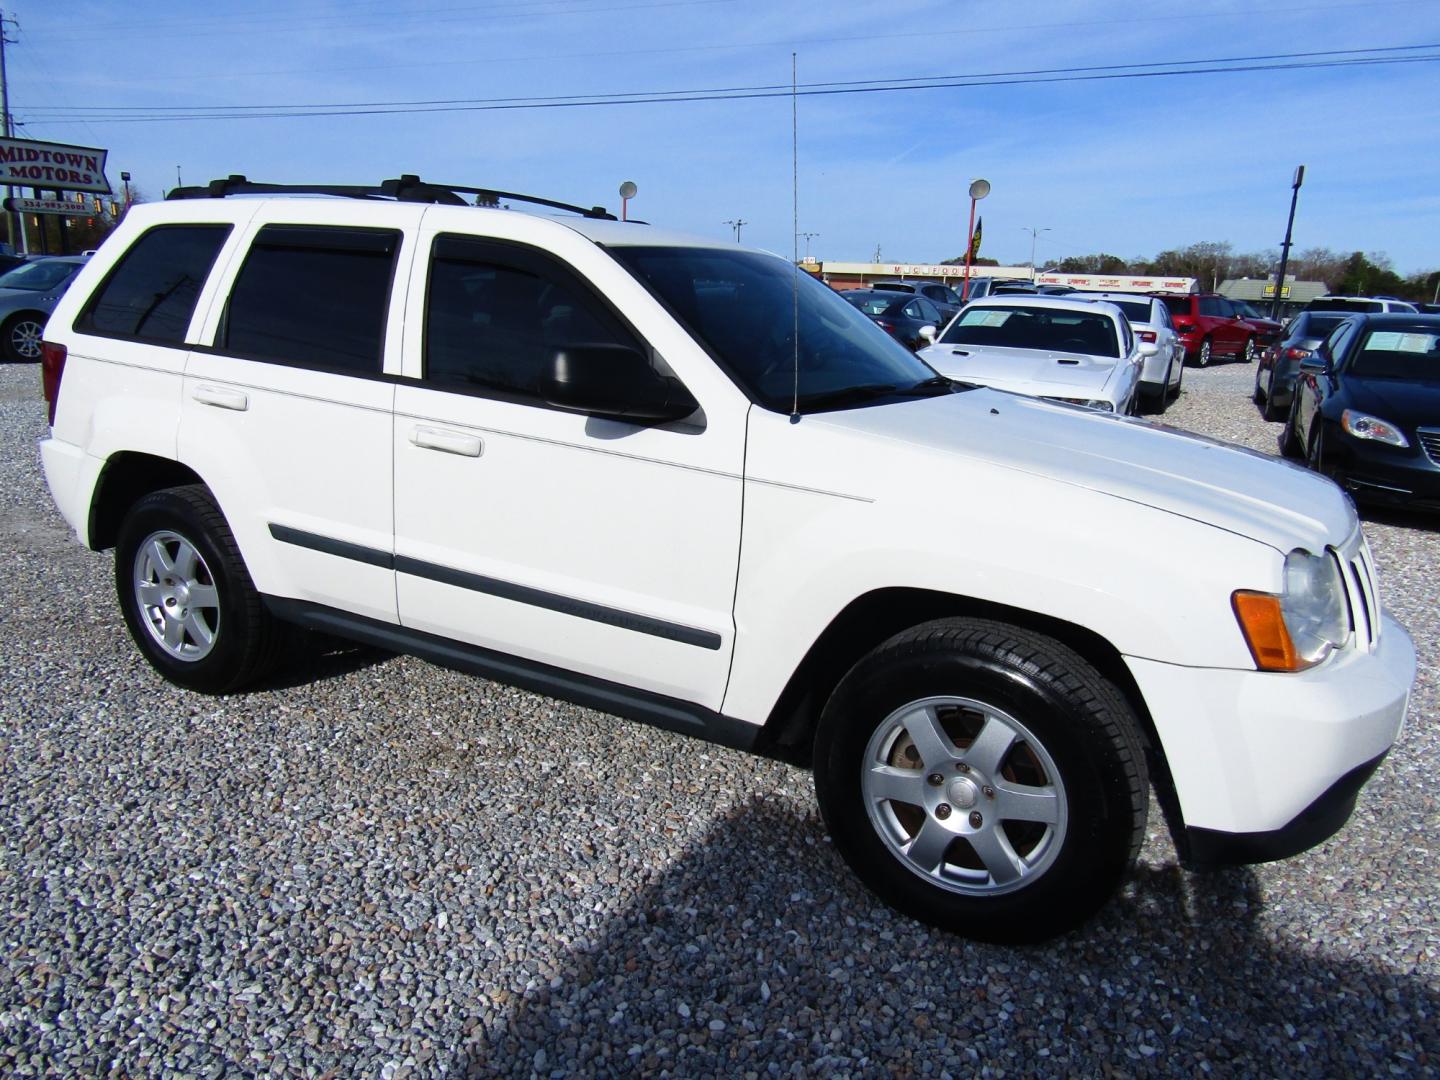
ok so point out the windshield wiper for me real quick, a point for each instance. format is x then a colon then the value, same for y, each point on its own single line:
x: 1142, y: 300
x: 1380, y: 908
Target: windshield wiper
x: 847, y: 394
x: 937, y: 384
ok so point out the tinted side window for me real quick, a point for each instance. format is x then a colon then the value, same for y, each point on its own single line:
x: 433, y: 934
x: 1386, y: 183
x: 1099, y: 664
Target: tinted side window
x: 313, y: 296
x: 151, y: 293
x: 1339, y: 339
x: 496, y: 313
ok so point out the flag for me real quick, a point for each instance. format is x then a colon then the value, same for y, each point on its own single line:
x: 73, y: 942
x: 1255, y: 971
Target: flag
x: 975, y: 240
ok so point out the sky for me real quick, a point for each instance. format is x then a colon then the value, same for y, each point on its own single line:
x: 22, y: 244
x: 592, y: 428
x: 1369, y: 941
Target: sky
x: 1129, y: 166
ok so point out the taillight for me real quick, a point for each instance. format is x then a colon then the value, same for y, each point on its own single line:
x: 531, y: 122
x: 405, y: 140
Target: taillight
x: 52, y: 367
x: 889, y: 328
x: 1298, y: 354
x: 1148, y: 335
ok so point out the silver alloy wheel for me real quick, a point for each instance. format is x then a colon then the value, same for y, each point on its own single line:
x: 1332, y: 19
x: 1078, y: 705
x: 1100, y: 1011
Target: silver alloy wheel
x: 964, y: 795
x: 1205, y: 353
x: 25, y: 337
x: 176, y: 595
x: 1249, y: 350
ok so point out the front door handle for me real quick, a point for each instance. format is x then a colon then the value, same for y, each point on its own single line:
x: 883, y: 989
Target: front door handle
x: 221, y: 398
x: 447, y: 442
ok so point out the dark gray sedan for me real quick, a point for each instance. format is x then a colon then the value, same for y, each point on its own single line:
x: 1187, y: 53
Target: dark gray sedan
x: 28, y: 294
x: 1280, y: 362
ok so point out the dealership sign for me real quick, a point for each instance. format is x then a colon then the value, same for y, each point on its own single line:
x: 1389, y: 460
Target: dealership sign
x: 53, y: 166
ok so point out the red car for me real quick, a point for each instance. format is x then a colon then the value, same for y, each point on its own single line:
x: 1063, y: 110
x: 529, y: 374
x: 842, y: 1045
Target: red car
x: 1209, y: 325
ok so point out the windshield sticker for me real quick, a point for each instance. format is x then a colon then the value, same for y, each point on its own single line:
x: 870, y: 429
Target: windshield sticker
x: 985, y: 317
x: 1401, y: 341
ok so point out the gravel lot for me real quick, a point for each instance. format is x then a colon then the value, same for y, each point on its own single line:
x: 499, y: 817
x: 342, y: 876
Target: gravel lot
x: 383, y: 869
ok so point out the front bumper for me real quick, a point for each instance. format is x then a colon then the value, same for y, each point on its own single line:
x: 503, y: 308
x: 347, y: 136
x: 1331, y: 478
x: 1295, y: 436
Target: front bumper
x: 1377, y: 473
x: 1250, y: 752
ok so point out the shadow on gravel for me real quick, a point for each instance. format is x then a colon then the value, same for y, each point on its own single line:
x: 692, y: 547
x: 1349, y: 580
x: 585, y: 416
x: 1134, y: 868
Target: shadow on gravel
x: 324, y: 658
x: 760, y: 954
x: 1403, y: 519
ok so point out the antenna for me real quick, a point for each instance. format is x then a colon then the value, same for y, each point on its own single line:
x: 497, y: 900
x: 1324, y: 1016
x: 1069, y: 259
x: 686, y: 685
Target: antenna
x: 795, y: 233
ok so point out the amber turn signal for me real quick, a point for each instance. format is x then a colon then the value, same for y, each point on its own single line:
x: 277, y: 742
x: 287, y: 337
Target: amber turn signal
x: 1263, y: 624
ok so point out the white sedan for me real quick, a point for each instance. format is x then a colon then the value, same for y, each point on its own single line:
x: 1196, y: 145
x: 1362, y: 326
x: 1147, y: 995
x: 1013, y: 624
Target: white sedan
x: 1165, y: 363
x: 1062, y: 349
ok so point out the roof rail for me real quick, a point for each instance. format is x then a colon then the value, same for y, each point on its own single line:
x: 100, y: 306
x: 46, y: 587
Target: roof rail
x: 405, y: 188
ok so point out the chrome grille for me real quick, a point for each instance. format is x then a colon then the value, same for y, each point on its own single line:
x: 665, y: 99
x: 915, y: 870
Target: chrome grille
x: 1430, y: 440
x: 1362, y: 590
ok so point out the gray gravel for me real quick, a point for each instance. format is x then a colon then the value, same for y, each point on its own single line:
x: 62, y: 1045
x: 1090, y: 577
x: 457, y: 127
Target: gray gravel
x: 378, y: 868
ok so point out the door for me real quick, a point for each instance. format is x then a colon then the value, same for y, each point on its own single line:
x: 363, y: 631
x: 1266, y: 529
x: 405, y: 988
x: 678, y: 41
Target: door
x: 589, y: 544
x: 286, y: 412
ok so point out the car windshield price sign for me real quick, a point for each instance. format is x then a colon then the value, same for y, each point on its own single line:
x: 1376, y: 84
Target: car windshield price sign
x: 53, y: 166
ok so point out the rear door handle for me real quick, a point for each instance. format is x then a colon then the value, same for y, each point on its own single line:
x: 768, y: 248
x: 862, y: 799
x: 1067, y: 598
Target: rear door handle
x: 222, y: 398
x: 447, y: 442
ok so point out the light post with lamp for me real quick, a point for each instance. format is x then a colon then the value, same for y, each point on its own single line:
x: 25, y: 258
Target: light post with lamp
x: 1034, y: 235
x: 978, y: 190
x: 627, y: 192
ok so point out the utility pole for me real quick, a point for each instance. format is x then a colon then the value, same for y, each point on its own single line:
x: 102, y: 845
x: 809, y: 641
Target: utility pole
x: 877, y: 253
x: 735, y: 224
x: 808, y: 236
x: 16, y: 222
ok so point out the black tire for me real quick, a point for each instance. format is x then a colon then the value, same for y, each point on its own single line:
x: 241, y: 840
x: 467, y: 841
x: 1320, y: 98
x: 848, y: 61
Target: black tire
x: 20, y: 337
x: 1080, y: 723
x: 1179, y: 383
x: 1256, y: 395
x: 1315, y: 454
x: 1271, y: 411
x: 246, y: 640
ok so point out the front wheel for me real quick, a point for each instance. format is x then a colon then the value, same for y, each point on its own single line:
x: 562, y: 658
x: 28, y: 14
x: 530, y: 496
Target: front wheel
x: 186, y: 596
x: 1249, y: 352
x: 21, y: 338
x: 982, y: 778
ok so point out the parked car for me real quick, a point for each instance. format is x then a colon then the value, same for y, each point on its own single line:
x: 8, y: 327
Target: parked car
x: 1361, y: 305
x: 28, y: 294
x: 1164, y: 368
x: 900, y: 315
x: 1366, y: 410
x: 595, y: 459
x: 1267, y: 330
x: 1280, y: 363
x: 945, y: 299
x: 1076, y: 351
x: 1209, y: 326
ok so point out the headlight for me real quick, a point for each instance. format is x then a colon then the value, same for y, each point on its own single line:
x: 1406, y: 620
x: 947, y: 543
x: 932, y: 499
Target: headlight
x: 1085, y: 403
x: 1299, y: 628
x: 1364, y: 426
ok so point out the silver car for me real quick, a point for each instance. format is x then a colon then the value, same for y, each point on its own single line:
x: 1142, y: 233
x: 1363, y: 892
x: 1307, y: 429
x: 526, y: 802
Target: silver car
x: 28, y: 294
x: 1159, y: 344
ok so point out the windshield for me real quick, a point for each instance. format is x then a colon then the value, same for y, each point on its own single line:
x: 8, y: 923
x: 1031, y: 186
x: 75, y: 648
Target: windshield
x: 741, y: 306
x: 38, y: 276
x: 1247, y: 309
x: 1052, y: 329
x: 893, y: 286
x: 1317, y: 326
x: 1407, y: 353
x: 871, y: 304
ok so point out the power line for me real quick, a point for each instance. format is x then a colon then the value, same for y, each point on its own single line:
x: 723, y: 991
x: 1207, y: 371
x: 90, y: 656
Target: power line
x: 1215, y: 66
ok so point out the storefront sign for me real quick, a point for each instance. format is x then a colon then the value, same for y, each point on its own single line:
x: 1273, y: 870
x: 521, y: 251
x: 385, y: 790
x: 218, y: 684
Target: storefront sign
x: 53, y: 166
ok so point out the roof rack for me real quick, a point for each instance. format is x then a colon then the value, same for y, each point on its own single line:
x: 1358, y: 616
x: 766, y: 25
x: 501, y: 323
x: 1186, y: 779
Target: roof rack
x: 406, y: 188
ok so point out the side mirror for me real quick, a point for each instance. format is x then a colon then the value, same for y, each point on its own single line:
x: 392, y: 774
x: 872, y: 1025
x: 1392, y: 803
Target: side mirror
x: 613, y: 382
x: 927, y: 332
x: 1149, y: 348
x: 1315, y: 362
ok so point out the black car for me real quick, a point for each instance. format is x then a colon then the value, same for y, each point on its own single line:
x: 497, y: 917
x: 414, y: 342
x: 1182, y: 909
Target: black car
x: 1280, y: 362
x: 901, y: 315
x: 1367, y: 409
x: 945, y: 299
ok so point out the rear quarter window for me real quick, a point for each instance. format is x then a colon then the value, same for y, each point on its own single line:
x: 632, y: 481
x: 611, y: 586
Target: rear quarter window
x: 150, y: 295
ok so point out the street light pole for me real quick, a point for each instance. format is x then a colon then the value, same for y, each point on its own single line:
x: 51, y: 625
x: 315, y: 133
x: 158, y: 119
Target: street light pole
x: 808, y: 236
x: 1034, y: 234
x: 978, y: 190
x: 1285, y: 247
x: 735, y: 224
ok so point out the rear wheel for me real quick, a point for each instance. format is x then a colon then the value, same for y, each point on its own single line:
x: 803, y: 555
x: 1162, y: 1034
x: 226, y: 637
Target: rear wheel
x: 186, y: 596
x: 1248, y: 355
x: 1289, y: 438
x: 21, y: 337
x: 1203, y: 359
x: 982, y: 778
x: 1271, y: 411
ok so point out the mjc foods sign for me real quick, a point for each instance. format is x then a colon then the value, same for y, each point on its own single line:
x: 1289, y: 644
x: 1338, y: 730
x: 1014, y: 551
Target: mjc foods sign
x: 52, y: 166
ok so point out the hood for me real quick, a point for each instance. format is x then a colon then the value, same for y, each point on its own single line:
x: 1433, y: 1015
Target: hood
x: 1409, y: 403
x: 1039, y: 372
x: 1229, y: 487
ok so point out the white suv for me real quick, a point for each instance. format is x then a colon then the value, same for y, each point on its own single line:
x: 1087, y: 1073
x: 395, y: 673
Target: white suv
x: 591, y: 458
